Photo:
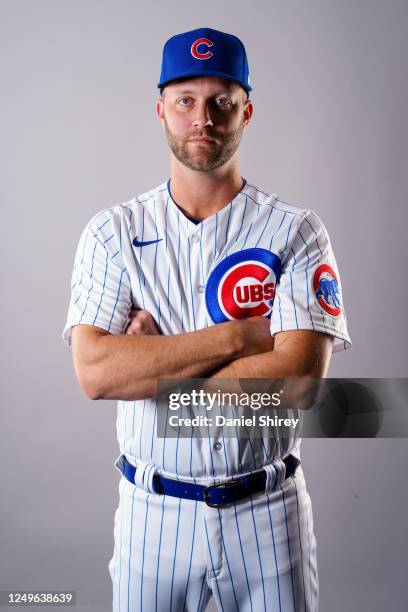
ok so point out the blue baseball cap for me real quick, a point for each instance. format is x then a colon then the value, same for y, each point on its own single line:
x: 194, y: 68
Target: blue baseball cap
x: 205, y: 52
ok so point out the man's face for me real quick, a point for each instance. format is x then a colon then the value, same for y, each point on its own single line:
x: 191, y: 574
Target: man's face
x: 204, y: 119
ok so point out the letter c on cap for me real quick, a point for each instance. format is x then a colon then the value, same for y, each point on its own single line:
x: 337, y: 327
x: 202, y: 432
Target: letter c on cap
x: 194, y: 49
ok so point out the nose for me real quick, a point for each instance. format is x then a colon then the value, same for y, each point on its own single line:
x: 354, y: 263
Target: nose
x: 202, y: 115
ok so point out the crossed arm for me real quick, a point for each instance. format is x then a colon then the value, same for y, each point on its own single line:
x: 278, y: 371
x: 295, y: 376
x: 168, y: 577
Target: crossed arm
x: 128, y: 366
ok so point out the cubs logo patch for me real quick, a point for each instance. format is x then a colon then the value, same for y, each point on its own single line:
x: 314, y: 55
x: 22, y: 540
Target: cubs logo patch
x: 326, y: 289
x: 243, y: 285
x: 199, y: 53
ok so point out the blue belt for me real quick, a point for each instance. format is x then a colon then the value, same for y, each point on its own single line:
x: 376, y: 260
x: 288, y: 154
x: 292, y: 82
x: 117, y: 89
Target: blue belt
x: 215, y: 495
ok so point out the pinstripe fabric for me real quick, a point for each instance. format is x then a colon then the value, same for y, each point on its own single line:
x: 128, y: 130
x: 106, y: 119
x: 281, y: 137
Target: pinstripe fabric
x: 111, y: 275
x: 256, y: 555
x: 259, y: 554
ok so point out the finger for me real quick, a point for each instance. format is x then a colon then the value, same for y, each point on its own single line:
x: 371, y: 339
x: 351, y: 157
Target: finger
x: 133, y: 312
x: 135, y: 328
x: 141, y: 323
x: 144, y: 315
x: 148, y: 322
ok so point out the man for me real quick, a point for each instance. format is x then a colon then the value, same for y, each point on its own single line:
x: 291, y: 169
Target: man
x: 206, y: 275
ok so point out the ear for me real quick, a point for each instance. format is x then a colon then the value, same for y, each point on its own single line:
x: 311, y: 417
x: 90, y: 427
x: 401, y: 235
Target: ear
x: 160, y: 110
x: 248, y: 111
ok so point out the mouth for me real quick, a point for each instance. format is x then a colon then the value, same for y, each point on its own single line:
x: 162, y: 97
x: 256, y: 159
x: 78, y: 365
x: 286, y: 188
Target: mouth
x: 202, y: 141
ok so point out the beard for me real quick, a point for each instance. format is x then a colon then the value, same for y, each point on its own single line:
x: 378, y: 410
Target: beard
x: 210, y: 157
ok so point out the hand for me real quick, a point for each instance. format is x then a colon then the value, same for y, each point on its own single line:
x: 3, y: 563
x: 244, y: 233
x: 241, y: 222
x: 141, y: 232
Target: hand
x: 141, y: 323
x: 256, y: 335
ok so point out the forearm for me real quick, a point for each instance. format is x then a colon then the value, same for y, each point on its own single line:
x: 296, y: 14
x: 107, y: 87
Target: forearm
x: 128, y: 367
x: 228, y: 377
x: 266, y: 365
x: 269, y: 373
x: 298, y: 368
x: 290, y: 357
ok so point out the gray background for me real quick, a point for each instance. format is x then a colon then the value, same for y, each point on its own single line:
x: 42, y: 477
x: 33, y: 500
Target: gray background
x: 79, y: 134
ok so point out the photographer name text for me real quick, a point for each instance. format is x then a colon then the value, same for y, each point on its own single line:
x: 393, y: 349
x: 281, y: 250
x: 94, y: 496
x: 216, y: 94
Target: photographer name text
x: 222, y: 421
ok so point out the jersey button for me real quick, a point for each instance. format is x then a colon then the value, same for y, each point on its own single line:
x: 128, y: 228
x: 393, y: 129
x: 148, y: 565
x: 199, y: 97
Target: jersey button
x: 195, y: 238
x: 200, y: 288
x: 218, y: 446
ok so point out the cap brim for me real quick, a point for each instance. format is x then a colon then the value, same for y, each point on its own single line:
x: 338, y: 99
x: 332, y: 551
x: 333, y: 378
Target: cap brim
x: 210, y: 73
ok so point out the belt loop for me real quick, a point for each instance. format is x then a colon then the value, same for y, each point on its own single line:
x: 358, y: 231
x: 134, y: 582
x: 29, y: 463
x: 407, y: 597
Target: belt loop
x: 144, y: 476
x: 280, y: 466
x: 275, y: 475
x: 270, y: 477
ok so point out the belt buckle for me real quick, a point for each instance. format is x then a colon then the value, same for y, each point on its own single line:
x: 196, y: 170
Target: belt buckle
x: 219, y: 485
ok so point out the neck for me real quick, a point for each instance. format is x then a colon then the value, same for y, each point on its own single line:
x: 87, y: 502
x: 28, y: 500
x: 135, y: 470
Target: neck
x: 202, y: 194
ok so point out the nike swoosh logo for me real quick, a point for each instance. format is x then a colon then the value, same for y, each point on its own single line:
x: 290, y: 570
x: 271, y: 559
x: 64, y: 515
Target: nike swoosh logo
x: 140, y: 243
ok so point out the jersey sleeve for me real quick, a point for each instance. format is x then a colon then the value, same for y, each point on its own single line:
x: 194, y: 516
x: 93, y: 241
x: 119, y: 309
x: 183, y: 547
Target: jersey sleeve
x: 308, y: 293
x: 100, y: 286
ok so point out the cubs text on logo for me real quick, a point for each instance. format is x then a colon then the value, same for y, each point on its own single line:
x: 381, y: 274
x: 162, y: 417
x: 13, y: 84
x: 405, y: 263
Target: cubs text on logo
x: 201, y: 55
x: 326, y: 289
x: 243, y: 285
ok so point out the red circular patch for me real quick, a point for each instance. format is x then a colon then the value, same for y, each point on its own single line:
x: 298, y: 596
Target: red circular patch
x: 326, y: 290
x: 245, y: 292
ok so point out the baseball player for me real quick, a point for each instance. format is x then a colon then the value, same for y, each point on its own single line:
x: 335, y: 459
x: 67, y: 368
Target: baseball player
x: 205, y: 275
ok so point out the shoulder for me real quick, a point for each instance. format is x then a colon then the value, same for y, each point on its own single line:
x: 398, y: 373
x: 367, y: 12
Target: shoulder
x: 113, y: 218
x: 263, y: 197
x: 302, y: 215
x: 158, y: 192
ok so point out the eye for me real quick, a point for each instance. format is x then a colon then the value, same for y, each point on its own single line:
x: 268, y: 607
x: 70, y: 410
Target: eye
x: 223, y: 102
x: 184, y: 101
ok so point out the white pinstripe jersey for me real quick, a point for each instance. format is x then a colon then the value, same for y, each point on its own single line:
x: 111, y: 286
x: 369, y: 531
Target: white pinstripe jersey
x: 171, y: 277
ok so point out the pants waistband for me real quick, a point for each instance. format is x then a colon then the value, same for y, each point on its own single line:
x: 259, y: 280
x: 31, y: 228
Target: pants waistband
x: 267, y: 479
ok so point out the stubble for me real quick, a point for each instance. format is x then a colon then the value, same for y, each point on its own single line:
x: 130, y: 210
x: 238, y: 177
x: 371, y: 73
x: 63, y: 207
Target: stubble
x: 209, y: 158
